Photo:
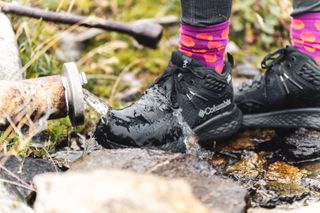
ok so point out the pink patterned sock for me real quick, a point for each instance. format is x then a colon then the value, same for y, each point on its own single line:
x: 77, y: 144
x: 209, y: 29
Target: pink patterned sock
x: 305, y: 34
x: 205, y: 44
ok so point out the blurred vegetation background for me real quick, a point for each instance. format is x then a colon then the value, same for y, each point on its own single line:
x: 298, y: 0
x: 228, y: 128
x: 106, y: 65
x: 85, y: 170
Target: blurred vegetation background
x: 119, y: 69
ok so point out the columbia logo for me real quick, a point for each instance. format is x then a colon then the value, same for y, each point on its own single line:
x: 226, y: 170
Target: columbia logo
x: 229, y: 79
x: 215, y: 108
x: 185, y: 63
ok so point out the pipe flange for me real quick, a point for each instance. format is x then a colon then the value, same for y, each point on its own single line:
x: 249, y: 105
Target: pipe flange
x: 74, y: 93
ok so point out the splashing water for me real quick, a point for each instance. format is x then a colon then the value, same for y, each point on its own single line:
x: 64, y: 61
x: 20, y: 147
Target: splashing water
x: 96, y: 103
x: 179, y: 137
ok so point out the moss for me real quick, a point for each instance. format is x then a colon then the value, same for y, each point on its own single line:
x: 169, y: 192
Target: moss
x: 286, y: 189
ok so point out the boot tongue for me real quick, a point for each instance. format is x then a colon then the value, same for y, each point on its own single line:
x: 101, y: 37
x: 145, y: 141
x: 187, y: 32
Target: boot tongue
x: 181, y: 60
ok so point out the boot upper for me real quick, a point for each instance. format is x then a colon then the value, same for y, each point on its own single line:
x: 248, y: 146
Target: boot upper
x: 185, y: 96
x: 292, y: 80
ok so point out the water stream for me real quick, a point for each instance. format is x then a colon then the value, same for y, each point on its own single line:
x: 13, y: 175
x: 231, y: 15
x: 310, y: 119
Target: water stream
x: 96, y: 103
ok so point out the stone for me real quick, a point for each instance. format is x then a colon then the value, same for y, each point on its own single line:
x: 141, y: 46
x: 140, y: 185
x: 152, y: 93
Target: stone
x: 10, y: 63
x: 10, y: 199
x: 249, y: 167
x: 26, y: 169
x: 314, y: 208
x: 219, y: 194
x: 284, y: 173
x: 303, y: 144
x: 114, y: 191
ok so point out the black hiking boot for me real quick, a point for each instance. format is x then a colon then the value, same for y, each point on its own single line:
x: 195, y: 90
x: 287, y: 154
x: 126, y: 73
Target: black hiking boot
x: 187, y: 96
x: 286, y: 96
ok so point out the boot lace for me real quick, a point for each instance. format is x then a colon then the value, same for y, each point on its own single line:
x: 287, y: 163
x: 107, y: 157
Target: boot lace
x: 269, y: 63
x: 175, y: 74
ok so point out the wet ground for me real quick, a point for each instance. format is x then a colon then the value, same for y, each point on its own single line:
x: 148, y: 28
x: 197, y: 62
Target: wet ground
x: 279, y: 168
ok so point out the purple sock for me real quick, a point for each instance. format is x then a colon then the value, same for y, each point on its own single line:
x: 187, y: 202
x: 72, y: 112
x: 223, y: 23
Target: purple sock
x: 205, y: 44
x: 305, y: 34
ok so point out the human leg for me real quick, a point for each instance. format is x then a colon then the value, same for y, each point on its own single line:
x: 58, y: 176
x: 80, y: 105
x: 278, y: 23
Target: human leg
x: 204, y: 31
x: 287, y: 95
x: 305, y: 27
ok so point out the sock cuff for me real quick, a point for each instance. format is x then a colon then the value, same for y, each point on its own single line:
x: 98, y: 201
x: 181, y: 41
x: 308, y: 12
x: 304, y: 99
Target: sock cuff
x: 216, y: 27
x: 308, y: 16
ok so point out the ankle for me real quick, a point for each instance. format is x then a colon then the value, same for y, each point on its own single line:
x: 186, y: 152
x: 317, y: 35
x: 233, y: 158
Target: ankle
x: 205, y: 44
x: 305, y: 34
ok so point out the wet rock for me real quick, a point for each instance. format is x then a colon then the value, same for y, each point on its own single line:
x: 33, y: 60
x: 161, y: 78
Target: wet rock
x: 10, y: 199
x: 312, y: 168
x: 285, y: 192
x: 25, y: 170
x: 303, y: 144
x: 280, y: 184
x: 113, y: 191
x: 64, y: 159
x: 313, y: 179
x: 257, y: 159
x: 284, y: 173
x: 249, y: 167
x: 241, y: 143
x: 10, y: 63
x: 314, y: 208
x: 219, y: 194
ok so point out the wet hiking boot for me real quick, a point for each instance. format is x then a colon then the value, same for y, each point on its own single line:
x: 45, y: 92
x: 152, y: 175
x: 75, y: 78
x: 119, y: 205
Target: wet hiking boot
x: 286, y: 96
x: 187, y: 97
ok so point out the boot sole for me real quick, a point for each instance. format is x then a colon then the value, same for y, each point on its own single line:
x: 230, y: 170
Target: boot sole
x: 288, y: 119
x: 220, y: 127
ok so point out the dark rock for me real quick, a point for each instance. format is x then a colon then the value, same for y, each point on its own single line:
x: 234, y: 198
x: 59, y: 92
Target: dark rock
x: 303, y: 144
x: 219, y: 194
x: 10, y: 199
x: 305, y: 209
x: 25, y: 170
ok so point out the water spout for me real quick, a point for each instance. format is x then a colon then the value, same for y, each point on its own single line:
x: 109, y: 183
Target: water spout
x: 53, y: 97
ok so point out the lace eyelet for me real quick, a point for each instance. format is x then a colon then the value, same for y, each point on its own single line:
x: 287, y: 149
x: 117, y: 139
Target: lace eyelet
x: 293, y: 58
x: 289, y: 65
x: 191, y: 81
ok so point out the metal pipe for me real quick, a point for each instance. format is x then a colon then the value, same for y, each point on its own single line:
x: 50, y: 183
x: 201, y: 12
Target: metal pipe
x: 54, y: 97
x: 146, y: 33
